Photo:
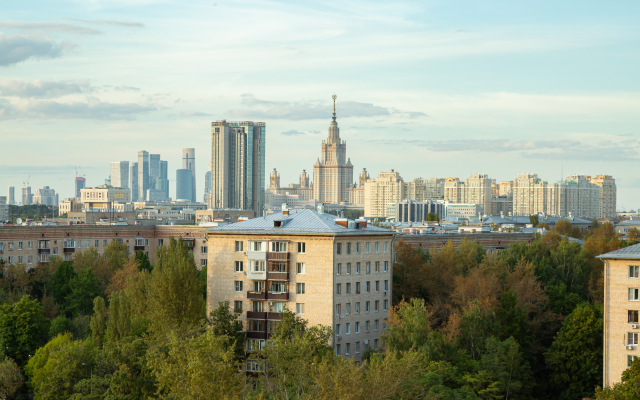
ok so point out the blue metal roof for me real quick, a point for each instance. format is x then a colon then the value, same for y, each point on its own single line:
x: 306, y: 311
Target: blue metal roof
x: 630, y: 253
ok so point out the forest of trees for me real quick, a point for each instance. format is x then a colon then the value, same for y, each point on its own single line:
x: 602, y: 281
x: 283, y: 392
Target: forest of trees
x: 525, y: 323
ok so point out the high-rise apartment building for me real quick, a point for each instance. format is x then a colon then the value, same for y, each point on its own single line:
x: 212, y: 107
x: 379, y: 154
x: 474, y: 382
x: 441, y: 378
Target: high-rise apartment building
x: 607, y: 195
x: 506, y: 187
x: 46, y: 196
x: 80, y: 183
x: 387, y: 188
x: 27, y: 196
x: 11, y: 195
x: 330, y: 271
x: 333, y: 173
x: 476, y: 189
x: 184, y: 184
x: 238, y: 165
x: 189, y: 162
x: 143, y: 174
x: 4, y: 209
x: 120, y: 174
x: 421, y: 189
x: 529, y: 195
x: 454, y: 190
x: 134, y: 182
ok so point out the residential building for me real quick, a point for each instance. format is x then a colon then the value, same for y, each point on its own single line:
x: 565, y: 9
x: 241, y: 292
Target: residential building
x: 104, y: 197
x: 416, y: 211
x: 333, y: 172
x: 4, y: 209
x: 454, y: 190
x: 120, y: 174
x: 478, y: 190
x: 189, y: 162
x: 46, y: 196
x: 27, y: 196
x: 207, y: 186
x: 11, y: 195
x: 238, y: 165
x: 502, y: 204
x: 329, y: 271
x: 506, y: 187
x: 356, y: 194
x: 621, y: 311
x: 184, y: 184
x: 529, y: 195
x: 607, y: 195
x: 387, y: 188
x: 421, y: 189
x: 134, y: 182
x: 143, y: 174
x: 80, y: 183
x: 228, y: 215
x: 69, y: 205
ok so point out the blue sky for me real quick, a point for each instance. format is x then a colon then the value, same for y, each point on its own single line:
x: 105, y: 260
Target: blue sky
x: 428, y: 88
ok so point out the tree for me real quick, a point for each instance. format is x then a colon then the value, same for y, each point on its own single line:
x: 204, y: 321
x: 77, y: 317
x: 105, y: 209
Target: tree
x: 633, y: 235
x: 23, y: 328
x: 84, y: 289
x: 433, y: 217
x: 627, y: 389
x: 61, y: 282
x: 143, y: 261
x: 533, y: 219
x: 98, y: 321
x: 11, y: 378
x: 130, y: 270
x: 116, y: 254
x: 59, y: 325
x: 409, y: 326
x: 223, y: 322
x: 119, y: 322
x: 575, y: 356
x: 408, y: 272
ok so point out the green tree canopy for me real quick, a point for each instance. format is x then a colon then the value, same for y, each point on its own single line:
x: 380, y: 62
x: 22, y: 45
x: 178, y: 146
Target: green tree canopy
x: 23, y: 328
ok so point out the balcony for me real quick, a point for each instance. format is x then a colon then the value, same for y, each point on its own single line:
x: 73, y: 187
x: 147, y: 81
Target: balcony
x: 277, y: 296
x: 264, y: 315
x: 43, y: 245
x: 257, y: 275
x: 256, y: 255
x: 256, y: 295
x: 69, y: 244
x: 277, y: 256
x: 277, y: 276
x: 257, y: 335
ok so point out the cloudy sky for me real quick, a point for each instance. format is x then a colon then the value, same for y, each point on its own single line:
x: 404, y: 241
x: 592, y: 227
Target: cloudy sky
x: 428, y: 88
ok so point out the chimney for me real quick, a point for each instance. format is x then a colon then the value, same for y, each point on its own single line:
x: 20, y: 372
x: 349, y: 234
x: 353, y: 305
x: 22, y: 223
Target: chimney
x: 342, y: 222
x: 285, y: 210
x: 362, y: 223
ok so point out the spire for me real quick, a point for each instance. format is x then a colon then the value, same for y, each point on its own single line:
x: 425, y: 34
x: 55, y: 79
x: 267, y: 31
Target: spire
x: 334, y: 106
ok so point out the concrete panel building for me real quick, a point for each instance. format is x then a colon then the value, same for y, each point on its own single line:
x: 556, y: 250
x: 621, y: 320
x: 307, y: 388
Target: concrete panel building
x: 328, y: 270
x: 120, y: 174
x: 103, y: 197
x: 385, y: 189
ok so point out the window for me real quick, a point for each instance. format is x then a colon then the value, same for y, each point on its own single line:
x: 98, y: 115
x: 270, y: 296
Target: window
x: 300, y: 268
x: 368, y: 267
x: 367, y: 306
x: 633, y: 317
x: 375, y: 325
x: 386, y: 266
x: 348, y: 291
x: 377, y: 286
x: 366, y: 326
x: 357, y: 248
x: 338, y: 248
x: 301, y: 247
x: 338, y: 350
x: 347, y: 308
x: 368, y: 286
x: 633, y: 294
x: 337, y: 329
x: 258, y: 306
x: 237, y: 306
x: 254, y: 366
x: 377, y: 267
x: 30, y: 245
x: 357, y: 327
x: 146, y: 242
x: 255, y: 344
x: 203, y: 249
x: 104, y: 243
x: 368, y: 247
x: 632, y: 338
x: 278, y: 287
x: 338, y: 288
x: 11, y: 260
x: 95, y: 244
x: 347, y: 329
x: 239, y: 246
x: 376, y: 305
x: 299, y: 308
x: 79, y: 244
x: 258, y: 266
x: 258, y: 286
x: 203, y: 262
x: 278, y: 307
x: 386, y: 247
x: 357, y: 268
x: 348, y: 268
x: 67, y: 257
x: 375, y: 344
x: 30, y: 259
x: 347, y: 349
x: 357, y: 347
x: 386, y: 286
x: 357, y: 287
x: 55, y: 250
x: 19, y: 245
x: 278, y: 247
x: 349, y: 248
x: 20, y: 259
x: 299, y: 288
x: 338, y: 269
x: 239, y: 266
x: 377, y: 247
x: 10, y: 245
x: 238, y: 286
x: 633, y: 269
x: 386, y: 304
x: 338, y: 309
x: 358, y: 308
x: 255, y: 246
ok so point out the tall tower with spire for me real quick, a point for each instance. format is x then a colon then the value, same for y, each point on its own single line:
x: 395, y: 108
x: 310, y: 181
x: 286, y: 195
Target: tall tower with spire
x: 333, y: 172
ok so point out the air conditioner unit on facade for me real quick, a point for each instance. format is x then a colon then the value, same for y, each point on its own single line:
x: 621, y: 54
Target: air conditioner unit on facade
x: 629, y: 347
x: 634, y: 326
x: 271, y: 303
x: 341, y: 315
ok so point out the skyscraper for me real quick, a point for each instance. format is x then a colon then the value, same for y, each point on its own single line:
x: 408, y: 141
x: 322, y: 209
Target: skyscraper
x: 143, y: 174
x: 189, y: 162
x: 46, y: 196
x: 27, y: 196
x: 81, y: 183
x: 120, y: 174
x: 162, y: 182
x: 12, y: 193
x: 207, y: 186
x: 154, y: 170
x: 237, y: 165
x: 184, y: 184
x: 333, y: 175
x: 134, y: 181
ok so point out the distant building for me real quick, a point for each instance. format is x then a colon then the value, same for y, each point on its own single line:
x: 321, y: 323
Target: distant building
x: 606, y: 196
x: 238, y: 165
x: 162, y: 182
x: 207, y: 186
x: 387, y: 188
x: 184, y: 184
x: 476, y: 189
x: 462, y: 210
x: 189, y: 162
x: 416, y: 211
x: 143, y: 174
x: 157, y: 195
x: 134, y: 182
x: 69, y: 205
x: 27, y: 196
x: 4, y: 209
x: 120, y: 174
x: 421, y: 189
x: 303, y: 189
x: 46, y: 196
x: 11, y: 195
x: 80, y: 184
x: 104, y: 197
x: 154, y: 170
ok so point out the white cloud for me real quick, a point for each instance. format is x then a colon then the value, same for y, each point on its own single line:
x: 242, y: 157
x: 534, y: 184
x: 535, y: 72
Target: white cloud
x: 48, y: 27
x: 42, y: 89
x: 48, y: 109
x: 18, y: 48
x: 126, y: 24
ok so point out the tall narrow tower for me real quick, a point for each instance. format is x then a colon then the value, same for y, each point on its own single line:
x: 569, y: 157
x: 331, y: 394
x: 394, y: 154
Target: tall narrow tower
x: 143, y: 175
x: 189, y: 162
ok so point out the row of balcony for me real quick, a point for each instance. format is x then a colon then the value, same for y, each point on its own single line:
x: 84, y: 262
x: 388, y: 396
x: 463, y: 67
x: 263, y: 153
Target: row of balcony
x: 261, y: 324
x: 268, y: 275
x: 267, y: 295
x: 267, y: 255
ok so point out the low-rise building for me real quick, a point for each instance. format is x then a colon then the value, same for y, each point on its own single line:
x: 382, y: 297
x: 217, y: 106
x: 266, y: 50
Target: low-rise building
x: 330, y: 271
x: 104, y: 197
x: 228, y: 215
x: 416, y: 211
x: 462, y: 210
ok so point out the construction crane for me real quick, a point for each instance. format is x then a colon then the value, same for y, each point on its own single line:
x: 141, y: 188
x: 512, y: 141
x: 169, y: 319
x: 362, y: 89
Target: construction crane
x: 26, y: 184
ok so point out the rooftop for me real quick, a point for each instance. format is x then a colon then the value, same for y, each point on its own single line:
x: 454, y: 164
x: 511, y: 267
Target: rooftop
x: 299, y: 221
x: 626, y: 253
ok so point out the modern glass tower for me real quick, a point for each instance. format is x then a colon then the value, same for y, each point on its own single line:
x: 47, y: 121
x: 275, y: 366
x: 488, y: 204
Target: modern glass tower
x: 143, y: 175
x: 134, y: 182
x: 189, y: 162
x: 238, y: 165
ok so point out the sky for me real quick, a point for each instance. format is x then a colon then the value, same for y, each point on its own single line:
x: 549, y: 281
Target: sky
x: 427, y: 88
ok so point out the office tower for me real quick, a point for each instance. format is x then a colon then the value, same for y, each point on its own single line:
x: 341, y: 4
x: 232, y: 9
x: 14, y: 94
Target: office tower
x: 184, y: 184
x: 333, y: 174
x: 27, y: 196
x: 120, y: 174
x: 11, y: 197
x: 134, y: 182
x: 143, y: 174
x: 207, y: 186
x: 237, y: 164
x: 46, y: 196
x: 189, y: 162
x: 154, y: 169
x: 162, y: 182
x: 80, y: 184
x: 379, y: 193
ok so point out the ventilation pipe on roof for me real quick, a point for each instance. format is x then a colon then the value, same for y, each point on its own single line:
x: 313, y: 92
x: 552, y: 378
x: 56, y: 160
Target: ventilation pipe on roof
x: 321, y: 208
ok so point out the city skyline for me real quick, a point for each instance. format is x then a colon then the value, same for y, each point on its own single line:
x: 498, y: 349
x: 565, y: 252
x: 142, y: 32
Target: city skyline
x: 424, y: 89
